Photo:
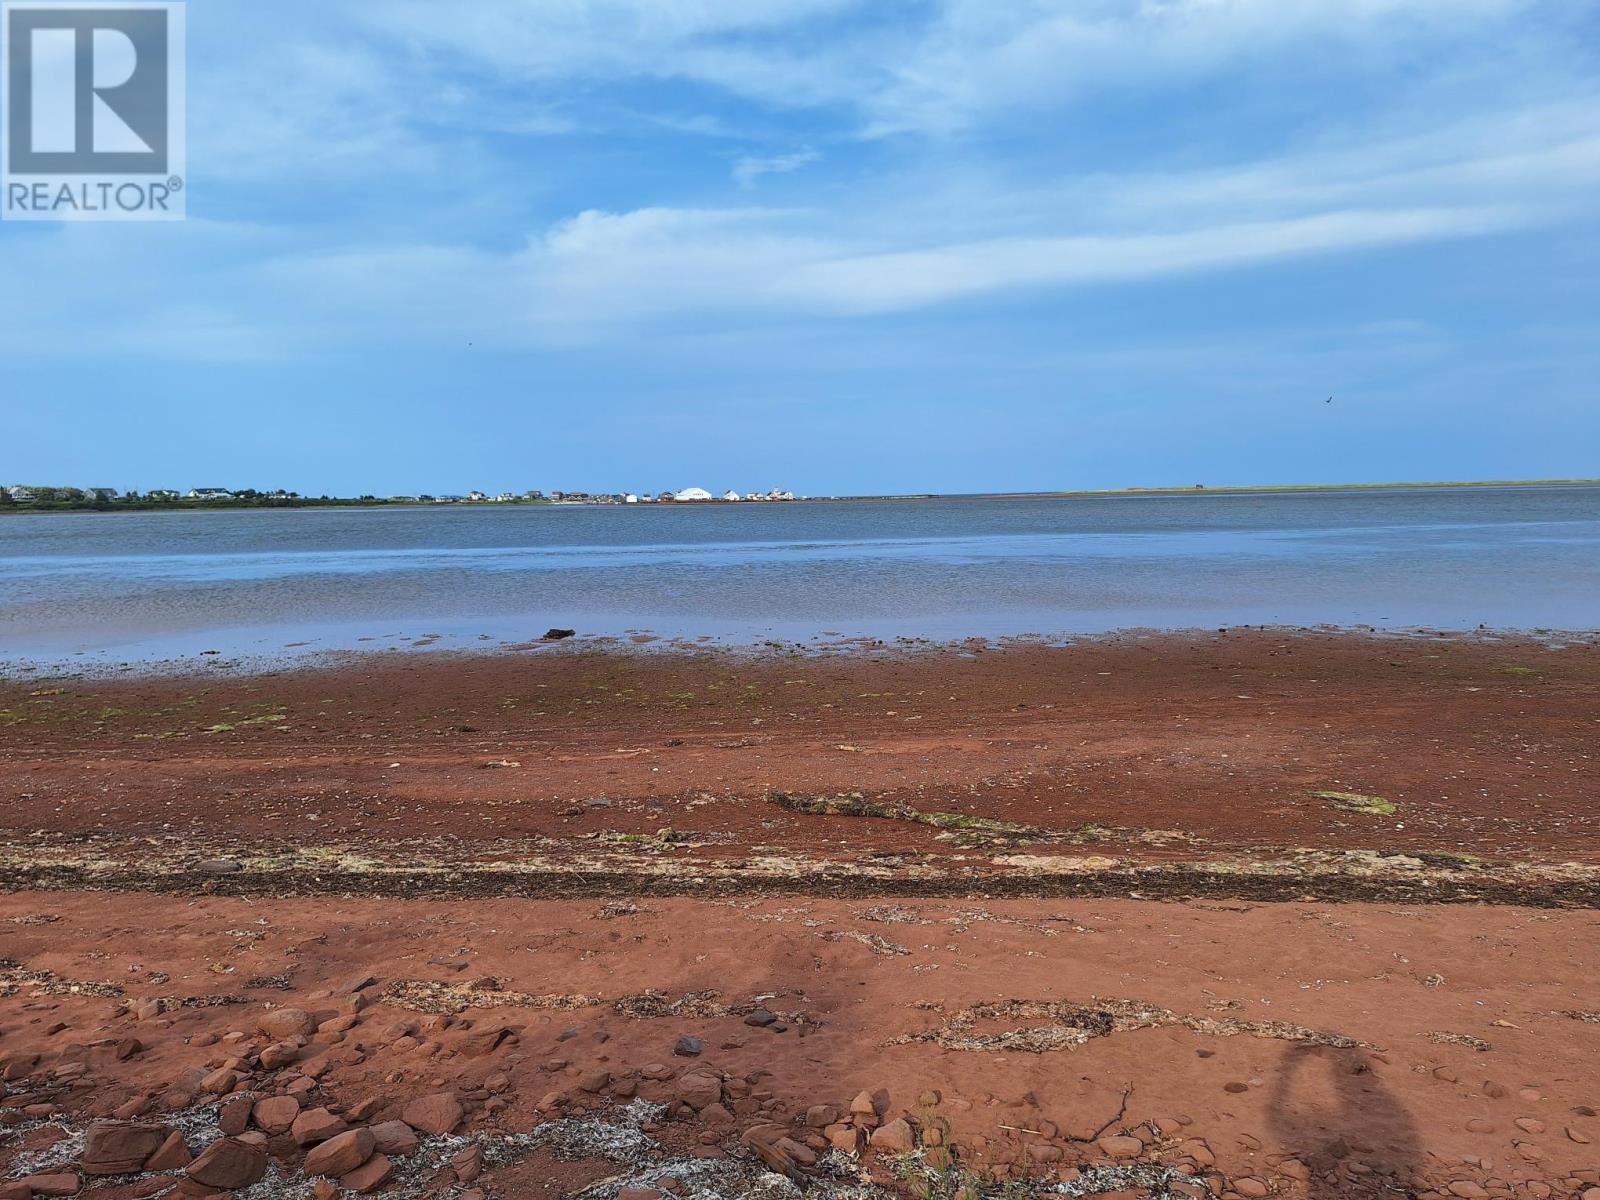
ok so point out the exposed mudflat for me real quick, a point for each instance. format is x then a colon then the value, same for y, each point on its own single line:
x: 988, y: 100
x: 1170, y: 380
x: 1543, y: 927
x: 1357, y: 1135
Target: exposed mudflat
x: 1247, y: 914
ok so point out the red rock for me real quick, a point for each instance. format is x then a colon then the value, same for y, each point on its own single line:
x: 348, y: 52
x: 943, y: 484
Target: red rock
x: 1120, y: 1146
x: 595, y: 1081
x: 638, y: 1193
x: 127, y: 1048
x: 316, y: 1125
x: 820, y: 1116
x: 468, y: 1165
x: 846, y: 1138
x: 173, y: 1156
x: 116, y: 1148
x: 233, y: 1118
x: 229, y: 1163
x: 220, y: 1083
x: 15, y: 1191
x: 439, y: 1113
x: 1251, y: 1187
x: 279, y: 1054
x: 863, y: 1105
x: 803, y: 1155
x: 394, y: 1137
x: 324, y: 1189
x: 369, y: 1176
x: 276, y: 1114
x: 895, y: 1137
x: 280, y: 1023
x: 341, y: 1154
x: 61, y: 1183
x: 699, y: 1090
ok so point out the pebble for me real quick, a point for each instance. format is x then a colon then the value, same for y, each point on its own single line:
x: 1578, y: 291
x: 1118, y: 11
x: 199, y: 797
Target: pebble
x: 280, y: 1023
x: 439, y: 1113
x: 275, y: 1114
x: 229, y: 1163
x: 233, y: 1118
x: 1120, y: 1145
x: 394, y: 1137
x: 174, y: 1154
x: 118, y: 1148
x: 468, y: 1165
x: 342, y: 1154
x: 689, y: 1047
x: 700, y: 1090
x: 316, y: 1125
x: 59, y: 1184
x: 894, y: 1137
x: 370, y: 1175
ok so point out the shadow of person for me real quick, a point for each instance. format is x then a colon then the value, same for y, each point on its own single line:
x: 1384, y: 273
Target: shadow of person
x: 1331, y: 1110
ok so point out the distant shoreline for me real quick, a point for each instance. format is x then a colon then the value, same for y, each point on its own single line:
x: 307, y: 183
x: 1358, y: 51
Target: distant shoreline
x: 1229, y: 490
x: 1269, y: 489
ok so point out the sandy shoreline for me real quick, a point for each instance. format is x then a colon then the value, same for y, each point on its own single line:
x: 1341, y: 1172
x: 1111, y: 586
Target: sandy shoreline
x: 1234, y: 915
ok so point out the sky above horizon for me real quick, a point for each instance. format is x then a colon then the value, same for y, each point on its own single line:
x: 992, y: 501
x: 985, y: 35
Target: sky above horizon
x: 838, y: 246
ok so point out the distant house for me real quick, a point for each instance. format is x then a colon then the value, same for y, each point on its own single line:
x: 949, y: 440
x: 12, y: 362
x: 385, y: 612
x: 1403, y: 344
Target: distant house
x: 475, y: 496
x: 533, y: 495
x: 730, y: 494
x: 102, y: 493
x: 691, y: 495
x: 21, y: 495
x: 630, y: 498
x: 506, y: 498
x: 667, y: 497
x: 162, y: 494
x: 208, y: 494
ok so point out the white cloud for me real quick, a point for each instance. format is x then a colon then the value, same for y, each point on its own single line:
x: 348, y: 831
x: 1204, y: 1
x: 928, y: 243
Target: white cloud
x: 752, y: 167
x: 940, y: 227
x: 878, y: 283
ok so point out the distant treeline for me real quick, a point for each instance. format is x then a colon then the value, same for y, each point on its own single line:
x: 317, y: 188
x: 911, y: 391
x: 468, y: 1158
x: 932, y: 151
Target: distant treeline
x: 70, y: 499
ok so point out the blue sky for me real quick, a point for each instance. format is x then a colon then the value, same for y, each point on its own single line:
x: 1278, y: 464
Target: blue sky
x: 838, y: 246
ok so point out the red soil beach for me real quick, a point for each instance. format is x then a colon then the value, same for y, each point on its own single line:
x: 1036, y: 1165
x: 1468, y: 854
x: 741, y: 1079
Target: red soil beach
x: 1074, y: 920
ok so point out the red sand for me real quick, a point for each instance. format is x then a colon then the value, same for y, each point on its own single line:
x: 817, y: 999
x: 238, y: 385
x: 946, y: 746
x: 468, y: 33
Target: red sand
x: 1230, y: 1022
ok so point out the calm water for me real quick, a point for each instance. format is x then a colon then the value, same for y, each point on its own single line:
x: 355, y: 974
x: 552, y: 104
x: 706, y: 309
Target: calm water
x: 146, y: 586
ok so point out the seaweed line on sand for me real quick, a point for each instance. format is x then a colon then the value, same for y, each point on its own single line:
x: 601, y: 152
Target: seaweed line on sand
x: 1071, y: 1025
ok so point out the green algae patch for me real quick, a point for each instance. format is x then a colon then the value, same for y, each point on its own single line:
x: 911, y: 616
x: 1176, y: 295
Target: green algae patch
x: 1355, y: 802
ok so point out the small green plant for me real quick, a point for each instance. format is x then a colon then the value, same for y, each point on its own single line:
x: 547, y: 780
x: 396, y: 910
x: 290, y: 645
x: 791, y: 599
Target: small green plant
x: 1355, y: 802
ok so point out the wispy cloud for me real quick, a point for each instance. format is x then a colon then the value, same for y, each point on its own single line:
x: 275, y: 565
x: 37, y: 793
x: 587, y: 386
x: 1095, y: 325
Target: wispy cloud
x: 752, y: 167
x: 415, y: 105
